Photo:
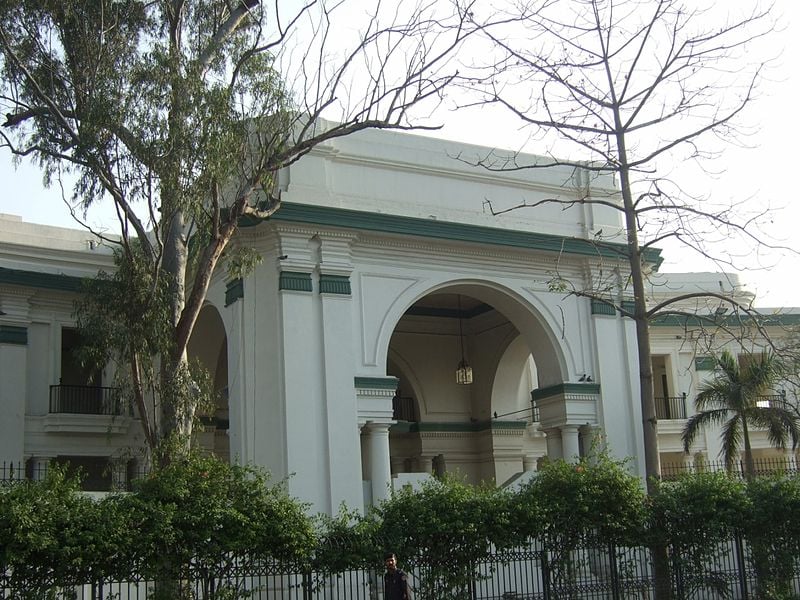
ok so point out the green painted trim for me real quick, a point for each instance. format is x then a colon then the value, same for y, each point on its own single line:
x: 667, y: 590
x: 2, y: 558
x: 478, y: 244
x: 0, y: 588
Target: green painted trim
x: 234, y: 290
x: 450, y: 313
x: 376, y: 383
x: 11, y: 334
x: 47, y: 281
x: 458, y: 427
x: 629, y: 306
x: 295, y: 281
x: 602, y: 307
x: 779, y: 319
x: 334, y: 284
x: 564, y: 389
x: 429, y: 228
x: 704, y: 363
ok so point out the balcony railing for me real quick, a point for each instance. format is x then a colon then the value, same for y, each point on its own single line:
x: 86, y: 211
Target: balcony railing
x: 403, y: 409
x: 773, y: 401
x: 671, y: 407
x: 86, y: 400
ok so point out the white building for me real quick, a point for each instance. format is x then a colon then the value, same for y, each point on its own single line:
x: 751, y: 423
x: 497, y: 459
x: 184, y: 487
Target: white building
x: 336, y: 358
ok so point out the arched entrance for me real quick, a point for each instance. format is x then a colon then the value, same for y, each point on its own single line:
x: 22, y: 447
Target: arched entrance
x: 486, y: 430
x: 209, y: 345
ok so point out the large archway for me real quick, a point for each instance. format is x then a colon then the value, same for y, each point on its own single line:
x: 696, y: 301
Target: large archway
x: 487, y: 430
x: 209, y: 345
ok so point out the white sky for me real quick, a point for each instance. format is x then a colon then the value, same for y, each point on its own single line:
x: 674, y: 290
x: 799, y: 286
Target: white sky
x: 763, y: 172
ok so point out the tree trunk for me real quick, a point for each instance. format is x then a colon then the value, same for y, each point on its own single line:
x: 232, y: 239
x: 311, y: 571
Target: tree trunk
x: 749, y: 464
x: 652, y: 463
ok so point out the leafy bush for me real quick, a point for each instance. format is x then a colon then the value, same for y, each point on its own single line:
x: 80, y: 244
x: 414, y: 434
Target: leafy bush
x: 697, y: 516
x: 597, y: 502
x: 205, y: 511
x: 50, y: 531
x: 774, y: 533
x: 444, y: 527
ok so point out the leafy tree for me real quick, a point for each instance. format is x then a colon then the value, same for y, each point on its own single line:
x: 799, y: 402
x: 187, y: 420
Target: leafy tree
x: 181, y: 112
x: 733, y: 399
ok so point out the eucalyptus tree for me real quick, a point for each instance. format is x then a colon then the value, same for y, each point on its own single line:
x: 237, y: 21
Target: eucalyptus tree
x: 181, y: 112
x: 737, y: 399
x: 635, y: 90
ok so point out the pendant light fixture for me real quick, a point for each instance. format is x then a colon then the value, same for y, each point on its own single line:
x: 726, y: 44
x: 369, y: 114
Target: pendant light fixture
x: 463, y: 371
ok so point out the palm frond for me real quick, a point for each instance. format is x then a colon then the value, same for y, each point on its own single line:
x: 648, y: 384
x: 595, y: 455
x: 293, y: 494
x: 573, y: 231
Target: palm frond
x: 697, y: 422
x: 732, y: 434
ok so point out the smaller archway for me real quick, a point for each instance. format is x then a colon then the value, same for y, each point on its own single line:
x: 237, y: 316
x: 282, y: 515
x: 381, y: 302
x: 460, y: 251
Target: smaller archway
x: 209, y: 346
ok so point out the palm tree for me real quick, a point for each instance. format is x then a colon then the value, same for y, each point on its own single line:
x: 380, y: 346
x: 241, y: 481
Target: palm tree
x: 734, y: 399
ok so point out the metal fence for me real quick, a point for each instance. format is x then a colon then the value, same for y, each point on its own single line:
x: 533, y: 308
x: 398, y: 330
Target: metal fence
x: 763, y: 467
x: 534, y: 573
x: 87, y: 400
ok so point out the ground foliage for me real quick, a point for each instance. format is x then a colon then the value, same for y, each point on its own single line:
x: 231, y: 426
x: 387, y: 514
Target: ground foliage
x: 202, y: 514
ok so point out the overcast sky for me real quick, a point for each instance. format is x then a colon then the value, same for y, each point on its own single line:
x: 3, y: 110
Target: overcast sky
x: 765, y: 171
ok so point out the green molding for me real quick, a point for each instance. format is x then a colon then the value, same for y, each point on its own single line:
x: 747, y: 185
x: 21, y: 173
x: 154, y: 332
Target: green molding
x: 704, y: 363
x: 295, y: 281
x: 47, y: 281
x: 566, y: 389
x: 376, y: 383
x: 383, y: 223
x: 10, y: 334
x: 334, y: 284
x: 458, y: 427
x: 450, y: 313
x: 764, y: 320
x: 234, y: 290
x: 602, y: 307
x: 629, y: 306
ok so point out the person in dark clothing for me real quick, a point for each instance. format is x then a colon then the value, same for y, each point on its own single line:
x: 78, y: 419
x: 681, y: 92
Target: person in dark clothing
x: 395, y: 581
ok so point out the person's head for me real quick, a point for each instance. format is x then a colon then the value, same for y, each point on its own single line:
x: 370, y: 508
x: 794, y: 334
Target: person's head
x: 390, y: 561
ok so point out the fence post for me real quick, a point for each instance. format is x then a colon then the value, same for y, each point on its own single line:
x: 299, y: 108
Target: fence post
x: 545, y: 574
x: 741, y: 565
x: 306, y: 585
x: 612, y: 555
x: 677, y: 571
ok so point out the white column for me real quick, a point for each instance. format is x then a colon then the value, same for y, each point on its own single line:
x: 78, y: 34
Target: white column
x: 553, y: 439
x: 425, y: 464
x: 380, y: 471
x: 529, y: 463
x: 591, y: 440
x: 13, y: 390
x: 570, y: 443
x: 398, y: 464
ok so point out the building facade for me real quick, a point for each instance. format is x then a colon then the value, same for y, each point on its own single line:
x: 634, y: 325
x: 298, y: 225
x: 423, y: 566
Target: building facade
x: 391, y: 264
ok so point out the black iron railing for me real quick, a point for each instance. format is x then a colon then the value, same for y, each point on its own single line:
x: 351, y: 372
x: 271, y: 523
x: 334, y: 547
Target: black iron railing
x: 763, y: 467
x: 86, y: 400
x: 403, y: 409
x: 534, y: 572
x: 772, y: 401
x: 671, y: 407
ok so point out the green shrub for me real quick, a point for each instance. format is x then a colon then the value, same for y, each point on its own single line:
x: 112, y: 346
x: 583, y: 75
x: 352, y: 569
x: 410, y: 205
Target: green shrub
x: 206, y: 511
x: 51, y: 531
x: 773, y: 532
x: 596, y: 502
